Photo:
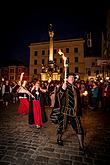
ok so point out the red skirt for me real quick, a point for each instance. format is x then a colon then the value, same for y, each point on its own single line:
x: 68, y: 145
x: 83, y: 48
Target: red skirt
x: 37, y: 113
x: 23, y: 107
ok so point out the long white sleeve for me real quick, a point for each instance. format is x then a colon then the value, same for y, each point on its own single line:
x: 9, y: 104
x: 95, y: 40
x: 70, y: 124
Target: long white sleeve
x: 3, y: 90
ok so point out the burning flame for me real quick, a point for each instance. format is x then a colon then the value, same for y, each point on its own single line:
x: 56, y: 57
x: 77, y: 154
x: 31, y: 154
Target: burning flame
x: 64, y: 57
x: 21, y: 77
x: 60, y: 52
x: 85, y: 93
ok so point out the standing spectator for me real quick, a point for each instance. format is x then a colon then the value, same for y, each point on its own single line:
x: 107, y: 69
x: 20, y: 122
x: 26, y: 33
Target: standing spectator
x: 14, y: 93
x: 105, y: 96
x: 1, y: 99
x: 51, y: 90
x: 6, y: 93
x: 82, y: 91
x: 94, y: 96
x: 47, y: 100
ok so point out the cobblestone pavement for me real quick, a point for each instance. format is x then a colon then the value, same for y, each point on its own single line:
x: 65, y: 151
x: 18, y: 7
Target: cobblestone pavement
x: 21, y: 144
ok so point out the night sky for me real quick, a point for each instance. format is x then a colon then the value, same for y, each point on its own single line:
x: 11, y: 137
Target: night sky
x: 22, y: 24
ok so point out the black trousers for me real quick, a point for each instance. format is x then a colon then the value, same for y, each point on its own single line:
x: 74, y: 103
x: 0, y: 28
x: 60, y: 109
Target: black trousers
x: 74, y: 121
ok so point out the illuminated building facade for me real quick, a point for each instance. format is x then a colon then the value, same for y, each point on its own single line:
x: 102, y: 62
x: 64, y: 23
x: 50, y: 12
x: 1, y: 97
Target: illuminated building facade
x: 13, y: 72
x: 73, y: 50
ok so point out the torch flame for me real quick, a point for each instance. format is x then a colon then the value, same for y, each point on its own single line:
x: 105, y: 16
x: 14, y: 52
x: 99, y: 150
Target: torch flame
x: 60, y: 52
x: 85, y: 93
x: 64, y: 58
x: 21, y: 76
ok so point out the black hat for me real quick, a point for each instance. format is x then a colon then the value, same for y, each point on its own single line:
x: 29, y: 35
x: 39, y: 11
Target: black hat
x: 71, y: 74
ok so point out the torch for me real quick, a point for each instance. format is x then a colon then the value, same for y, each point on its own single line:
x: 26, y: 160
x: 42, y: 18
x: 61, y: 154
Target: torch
x: 21, y: 77
x: 65, y: 65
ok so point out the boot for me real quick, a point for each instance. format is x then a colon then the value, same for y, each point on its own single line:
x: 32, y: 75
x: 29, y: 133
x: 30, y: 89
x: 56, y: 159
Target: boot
x: 59, y: 140
x: 81, y: 142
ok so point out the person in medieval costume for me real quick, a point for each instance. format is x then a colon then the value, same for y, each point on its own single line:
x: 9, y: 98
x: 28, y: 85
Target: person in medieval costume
x: 6, y: 93
x: 52, y: 91
x: 37, y: 114
x: 70, y: 111
x: 23, y: 107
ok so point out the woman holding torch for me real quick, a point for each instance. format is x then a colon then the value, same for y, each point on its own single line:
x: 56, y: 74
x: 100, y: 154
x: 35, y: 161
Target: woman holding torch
x: 23, y: 96
x: 37, y: 114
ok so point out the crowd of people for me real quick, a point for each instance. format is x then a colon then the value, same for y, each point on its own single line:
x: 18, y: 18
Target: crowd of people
x: 66, y: 101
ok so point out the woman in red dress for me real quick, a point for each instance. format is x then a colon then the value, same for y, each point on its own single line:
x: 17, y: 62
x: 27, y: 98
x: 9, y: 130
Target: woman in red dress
x: 37, y: 114
x: 23, y: 107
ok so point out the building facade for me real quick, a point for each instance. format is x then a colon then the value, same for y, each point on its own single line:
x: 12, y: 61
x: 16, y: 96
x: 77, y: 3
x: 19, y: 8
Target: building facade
x: 73, y: 49
x: 92, y: 68
x: 13, y: 72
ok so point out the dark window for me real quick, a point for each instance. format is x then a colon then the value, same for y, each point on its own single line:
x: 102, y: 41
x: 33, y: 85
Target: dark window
x: 43, y: 61
x: 76, y: 59
x: 55, y: 51
x: 36, y: 53
x: 68, y: 60
x: 11, y: 70
x: 35, y: 71
x: 87, y: 69
x: 67, y: 50
x: 11, y: 77
x: 93, y: 63
x: 68, y: 70
x: 19, y: 70
x: 97, y: 72
x: 89, y: 73
x: 60, y: 60
x: 76, y: 69
x: 35, y: 62
x: 55, y: 60
x: 61, y: 70
x: 43, y: 52
x: 75, y: 50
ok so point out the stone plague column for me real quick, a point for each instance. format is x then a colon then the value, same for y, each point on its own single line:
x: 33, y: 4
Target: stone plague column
x: 51, y: 34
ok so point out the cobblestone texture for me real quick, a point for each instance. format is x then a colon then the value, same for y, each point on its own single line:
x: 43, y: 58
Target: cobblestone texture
x: 21, y: 144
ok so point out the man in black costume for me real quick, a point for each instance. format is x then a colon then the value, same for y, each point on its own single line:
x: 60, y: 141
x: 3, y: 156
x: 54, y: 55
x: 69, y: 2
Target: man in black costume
x: 70, y: 110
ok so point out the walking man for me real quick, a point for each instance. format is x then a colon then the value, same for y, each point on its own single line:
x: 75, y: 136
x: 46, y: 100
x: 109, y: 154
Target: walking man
x: 70, y: 111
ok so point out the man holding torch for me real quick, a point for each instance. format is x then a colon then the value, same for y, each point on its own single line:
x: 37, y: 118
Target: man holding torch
x: 70, y: 110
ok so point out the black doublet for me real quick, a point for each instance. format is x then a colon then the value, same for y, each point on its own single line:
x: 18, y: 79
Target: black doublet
x: 69, y: 100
